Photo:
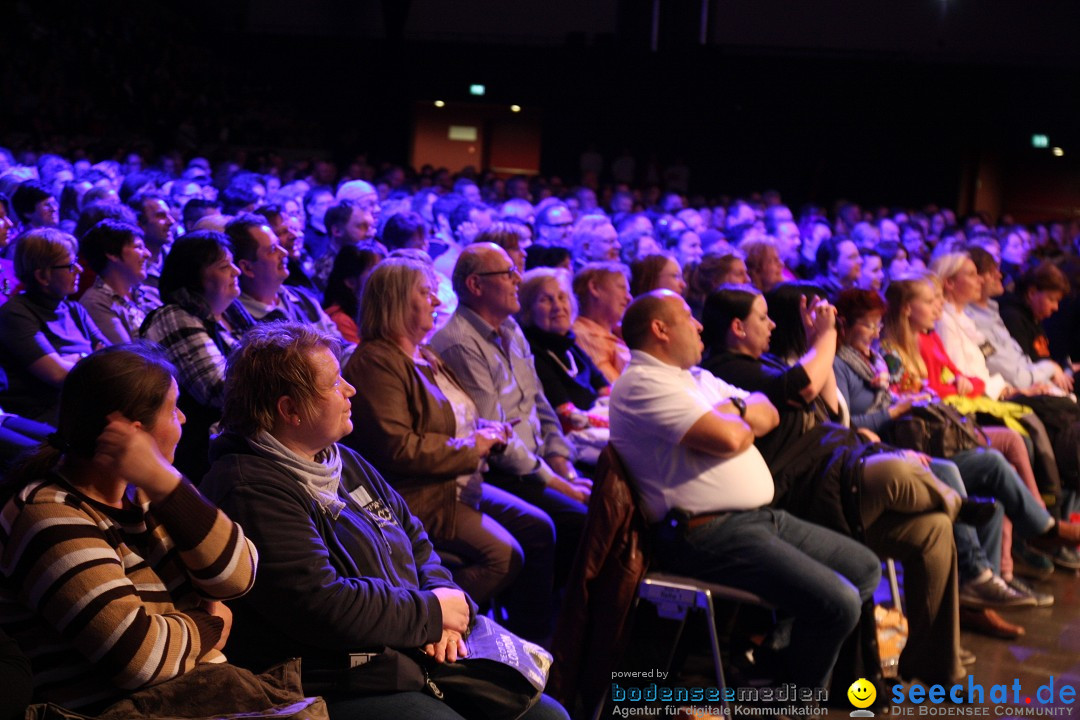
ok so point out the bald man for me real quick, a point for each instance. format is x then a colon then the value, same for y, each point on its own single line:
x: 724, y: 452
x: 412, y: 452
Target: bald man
x: 687, y: 440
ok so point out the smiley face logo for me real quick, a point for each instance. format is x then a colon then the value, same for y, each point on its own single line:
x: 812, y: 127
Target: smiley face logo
x: 862, y: 693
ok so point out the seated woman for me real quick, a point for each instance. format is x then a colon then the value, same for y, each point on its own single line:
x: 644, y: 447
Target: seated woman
x: 826, y: 474
x: 576, y: 389
x: 117, y: 302
x: 863, y: 379
x: 102, y: 501
x: 348, y: 577
x: 714, y: 270
x: 603, y: 292
x: 656, y: 272
x: 763, y: 263
x: 198, y: 326
x: 342, y: 297
x: 918, y: 362
x: 42, y: 333
x: 420, y: 429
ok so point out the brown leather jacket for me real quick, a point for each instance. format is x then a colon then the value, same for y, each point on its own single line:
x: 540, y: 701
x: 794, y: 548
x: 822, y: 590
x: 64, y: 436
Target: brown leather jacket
x: 612, y: 560
x: 404, y: 426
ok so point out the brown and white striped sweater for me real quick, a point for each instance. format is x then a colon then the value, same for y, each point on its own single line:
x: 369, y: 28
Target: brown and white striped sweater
x: 106, y: 600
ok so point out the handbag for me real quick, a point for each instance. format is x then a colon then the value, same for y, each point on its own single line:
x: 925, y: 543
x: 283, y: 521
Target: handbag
x: 937, y: 429
x: 502, y: 676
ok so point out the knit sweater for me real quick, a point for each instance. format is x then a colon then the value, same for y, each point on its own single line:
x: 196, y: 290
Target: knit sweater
x: 105, y: 600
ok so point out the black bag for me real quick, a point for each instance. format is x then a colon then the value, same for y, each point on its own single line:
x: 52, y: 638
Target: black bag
x: 502, y: 677
x: 937, y: 429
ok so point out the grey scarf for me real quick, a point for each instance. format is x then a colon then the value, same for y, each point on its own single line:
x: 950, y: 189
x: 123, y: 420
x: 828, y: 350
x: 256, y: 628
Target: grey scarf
x: 320, y: 478
x: 868, y: 373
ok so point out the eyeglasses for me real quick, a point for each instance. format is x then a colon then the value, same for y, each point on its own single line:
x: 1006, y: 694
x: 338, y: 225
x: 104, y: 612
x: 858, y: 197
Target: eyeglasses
x: 508, y: 272
x: 70, y: 267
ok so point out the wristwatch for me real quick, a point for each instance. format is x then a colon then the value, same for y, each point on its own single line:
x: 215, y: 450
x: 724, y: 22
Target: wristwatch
x: 740, y: 405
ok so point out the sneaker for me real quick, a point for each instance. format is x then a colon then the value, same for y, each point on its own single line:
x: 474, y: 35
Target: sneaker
x: 1041, y: 599
x: 993, y: 593
x: 1067, y: 558
x: 1031, y: 563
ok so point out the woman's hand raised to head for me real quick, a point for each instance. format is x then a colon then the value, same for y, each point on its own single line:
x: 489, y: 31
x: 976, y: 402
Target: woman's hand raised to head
x: 125, y: 449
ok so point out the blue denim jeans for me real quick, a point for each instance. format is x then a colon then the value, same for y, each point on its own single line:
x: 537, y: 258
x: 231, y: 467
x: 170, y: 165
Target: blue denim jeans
x: 987, y: 472
x: 977, y: 548
x: 813, y: 574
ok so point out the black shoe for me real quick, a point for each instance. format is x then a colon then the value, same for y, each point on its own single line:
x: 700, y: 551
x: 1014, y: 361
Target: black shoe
x: 976, y: 510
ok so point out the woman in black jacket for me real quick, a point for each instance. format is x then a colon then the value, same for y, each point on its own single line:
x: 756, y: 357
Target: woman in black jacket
x: 348, y: 579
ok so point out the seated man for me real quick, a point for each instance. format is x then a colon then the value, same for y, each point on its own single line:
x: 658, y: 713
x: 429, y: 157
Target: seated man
x: 263, y: 264
x: 700, y: 472
x: 486, y: 350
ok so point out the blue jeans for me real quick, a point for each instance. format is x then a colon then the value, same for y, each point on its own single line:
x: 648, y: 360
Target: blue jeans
x: 418, y: 706
x: 977, y: 548
x: 813, y: 574
x: 987, y: 472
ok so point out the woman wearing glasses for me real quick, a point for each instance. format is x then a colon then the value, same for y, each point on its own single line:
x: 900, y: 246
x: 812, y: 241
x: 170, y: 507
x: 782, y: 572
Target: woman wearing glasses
x: 42, y: 334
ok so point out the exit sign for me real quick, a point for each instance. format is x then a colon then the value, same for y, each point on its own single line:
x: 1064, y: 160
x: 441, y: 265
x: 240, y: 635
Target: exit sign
x: 1040, y: 141
x: 477, y: 89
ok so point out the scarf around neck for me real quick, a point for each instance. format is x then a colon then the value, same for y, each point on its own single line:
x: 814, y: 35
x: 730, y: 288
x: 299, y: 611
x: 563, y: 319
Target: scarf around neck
x: 873, y: 371
x: 320, y: 478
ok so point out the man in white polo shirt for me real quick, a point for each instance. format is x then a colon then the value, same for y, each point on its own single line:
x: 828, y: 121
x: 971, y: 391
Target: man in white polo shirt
x: 687, y: 440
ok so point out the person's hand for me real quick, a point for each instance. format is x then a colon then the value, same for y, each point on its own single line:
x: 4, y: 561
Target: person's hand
x: 1062, y: 380
x: 818, y: 317
x: 221, y: 610
x: 869, y: 435
x: 921, y: 458
x: 455, y: 609
x: 467, y: 231
x: 963, y: 386
x: 901, y: 406
x: 486, y: 438
x: 449, y: 648
x: 1008, y: 391
x: 570, y: 490
x: 130, y: 453
x: 565, y: 479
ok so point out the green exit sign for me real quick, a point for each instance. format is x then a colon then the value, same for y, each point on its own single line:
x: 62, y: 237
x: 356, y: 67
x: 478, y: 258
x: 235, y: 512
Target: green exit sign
x: 1040, y: 141
x: 477, y: 89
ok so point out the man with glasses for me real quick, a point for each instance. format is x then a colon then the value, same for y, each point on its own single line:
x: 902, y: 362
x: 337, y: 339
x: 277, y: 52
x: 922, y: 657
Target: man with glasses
x: 485, y: 348
x: 555, y: 226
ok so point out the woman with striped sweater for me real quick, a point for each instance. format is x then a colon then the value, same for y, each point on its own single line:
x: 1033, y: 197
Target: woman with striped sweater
x: 113, y: 567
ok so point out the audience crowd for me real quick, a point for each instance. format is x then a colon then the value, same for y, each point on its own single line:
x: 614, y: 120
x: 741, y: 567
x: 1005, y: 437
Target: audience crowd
x: 400, y: 385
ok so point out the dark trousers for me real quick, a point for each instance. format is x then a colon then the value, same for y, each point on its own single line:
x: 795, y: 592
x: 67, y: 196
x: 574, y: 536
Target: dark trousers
x: 567, y: 514
x: 817, y: 576
x: 508, y: 550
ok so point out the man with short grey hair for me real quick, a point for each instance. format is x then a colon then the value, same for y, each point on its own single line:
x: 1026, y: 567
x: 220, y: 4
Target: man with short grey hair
x: 486, y: 349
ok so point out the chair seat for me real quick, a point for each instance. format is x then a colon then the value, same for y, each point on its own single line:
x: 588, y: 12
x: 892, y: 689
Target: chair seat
x: 665, y: 588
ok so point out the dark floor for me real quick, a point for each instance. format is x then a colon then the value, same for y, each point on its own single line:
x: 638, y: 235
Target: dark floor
x: 1050, y: 648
